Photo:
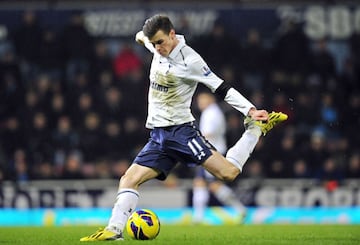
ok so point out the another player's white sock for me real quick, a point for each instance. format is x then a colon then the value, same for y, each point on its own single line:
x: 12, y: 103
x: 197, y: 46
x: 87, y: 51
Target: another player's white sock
x: 200, y: 200
x: 125, y: 204
x: 240, y: 152
x: 227, y: 197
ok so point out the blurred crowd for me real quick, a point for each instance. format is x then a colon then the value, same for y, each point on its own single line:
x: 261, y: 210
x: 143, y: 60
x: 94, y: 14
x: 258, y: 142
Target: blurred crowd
x: 73, y: 106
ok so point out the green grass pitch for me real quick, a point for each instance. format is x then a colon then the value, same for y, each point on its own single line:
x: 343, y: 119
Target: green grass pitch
x: 174, y: 234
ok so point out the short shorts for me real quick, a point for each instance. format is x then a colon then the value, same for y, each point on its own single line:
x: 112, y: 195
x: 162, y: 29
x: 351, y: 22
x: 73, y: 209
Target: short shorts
x: 168, y: 146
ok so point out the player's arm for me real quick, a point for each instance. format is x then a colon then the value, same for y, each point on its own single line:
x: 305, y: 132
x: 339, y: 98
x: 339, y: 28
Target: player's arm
x: 239, y: 102
x: 200, y: 72
x: 141, y: 39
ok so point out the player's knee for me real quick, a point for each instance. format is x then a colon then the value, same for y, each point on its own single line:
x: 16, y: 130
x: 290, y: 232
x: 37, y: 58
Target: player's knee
x: 127, y: 181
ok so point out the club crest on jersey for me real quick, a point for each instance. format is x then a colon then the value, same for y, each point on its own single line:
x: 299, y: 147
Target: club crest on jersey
x: 206, y: 70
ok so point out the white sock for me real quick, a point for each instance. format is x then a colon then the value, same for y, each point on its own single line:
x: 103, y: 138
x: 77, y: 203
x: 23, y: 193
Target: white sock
x: 227, y: 196
x: 240, y: 152
x: 200, y: 200
x: 125, y: 204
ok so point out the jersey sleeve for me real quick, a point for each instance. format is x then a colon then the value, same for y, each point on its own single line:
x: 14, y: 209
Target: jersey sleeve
x: 200, y: 72
x: 142, y: 39
x: 149, y: 45
x: 238, y: 101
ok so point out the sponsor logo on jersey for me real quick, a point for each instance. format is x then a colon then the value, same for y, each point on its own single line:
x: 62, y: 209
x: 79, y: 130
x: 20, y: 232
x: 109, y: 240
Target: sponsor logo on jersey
x: 156, y: 86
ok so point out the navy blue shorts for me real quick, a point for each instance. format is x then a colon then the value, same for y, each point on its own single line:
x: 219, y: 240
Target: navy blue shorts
x: 169, y: 145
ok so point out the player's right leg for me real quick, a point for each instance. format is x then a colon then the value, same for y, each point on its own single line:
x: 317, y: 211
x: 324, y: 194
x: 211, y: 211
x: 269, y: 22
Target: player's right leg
x: 126, y: 202
x: 102, y: 235
x: 151, y: 162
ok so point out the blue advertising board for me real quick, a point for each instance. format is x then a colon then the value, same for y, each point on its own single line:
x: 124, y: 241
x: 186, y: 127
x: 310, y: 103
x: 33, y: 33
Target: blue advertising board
x: 214, y: 216
x: 318, y: 21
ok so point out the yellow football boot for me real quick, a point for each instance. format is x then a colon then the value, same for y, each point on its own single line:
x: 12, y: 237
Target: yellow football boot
x: 274, y: 119
x: 102, y: 235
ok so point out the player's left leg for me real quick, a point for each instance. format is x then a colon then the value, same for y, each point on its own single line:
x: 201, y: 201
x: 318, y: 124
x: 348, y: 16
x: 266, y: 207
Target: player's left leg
x: 240, y: 152
x: 228, y: 168
x: 220, y: 167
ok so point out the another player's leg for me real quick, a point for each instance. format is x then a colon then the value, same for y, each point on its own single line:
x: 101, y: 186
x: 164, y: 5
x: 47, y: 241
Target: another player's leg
x: 125, y: 204
x: 227, y: 197
x: 200, y: 199
x: 227, y: 168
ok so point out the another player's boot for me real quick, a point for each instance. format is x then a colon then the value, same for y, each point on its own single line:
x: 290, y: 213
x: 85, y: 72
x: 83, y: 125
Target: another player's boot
x: 242, y: 217
x: 102, y: 235
x: 274, y: 119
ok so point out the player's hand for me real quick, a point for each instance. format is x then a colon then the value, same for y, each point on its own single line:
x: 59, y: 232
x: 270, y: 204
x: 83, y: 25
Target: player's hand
x: 258, y: 115
x: 140, y: 37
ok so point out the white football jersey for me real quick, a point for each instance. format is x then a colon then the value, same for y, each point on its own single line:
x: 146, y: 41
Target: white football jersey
x: 212, y: 125
x: 173, y: 81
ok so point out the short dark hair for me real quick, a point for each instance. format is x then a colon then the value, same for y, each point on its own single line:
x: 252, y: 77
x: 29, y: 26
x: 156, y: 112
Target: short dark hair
x: 155, y: 23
